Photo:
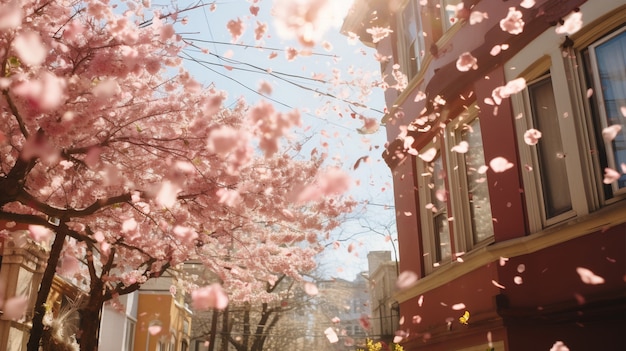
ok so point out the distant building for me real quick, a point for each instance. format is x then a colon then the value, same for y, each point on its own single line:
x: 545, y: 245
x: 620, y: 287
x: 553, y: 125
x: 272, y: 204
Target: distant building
x: 525, y: 232
x: 384, y: 308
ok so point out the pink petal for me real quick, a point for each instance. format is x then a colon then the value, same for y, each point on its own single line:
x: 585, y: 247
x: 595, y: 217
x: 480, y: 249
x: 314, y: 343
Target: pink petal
x: 521, y: 268
x: 495, y: 283
x: 417, y: 319
x: 572, y: 24
x: 623, y: 110
x: 39, y: 233
x: 458, y: 306
x: 465, y: 62
x: 331, y: 335
x: 310, y: 289
x: 335, y: 320
x: 513, y: 22
x: 461, y: 148
x: 406, y: 279
x: 420, y: 300
x: 559, y: 346
x: 154, y: 329
x: 30, y: 49
x: 212, y: 296
x: 527, y: 3
x: 610, y: 175
x: 518, y: 280
x: 428, y: 155
x: 532, y: 136
x: 609, y: 133
x: 15, y: 307
x: 500, y: 164
x: 588, y: 277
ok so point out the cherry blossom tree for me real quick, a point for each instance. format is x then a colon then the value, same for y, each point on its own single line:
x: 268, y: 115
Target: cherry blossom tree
x: 126, y: 165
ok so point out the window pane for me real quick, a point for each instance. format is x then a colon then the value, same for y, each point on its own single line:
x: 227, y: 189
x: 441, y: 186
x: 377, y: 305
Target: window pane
x: 611, y: 70
x: 440, y: 219
x: 554, y: 184
x: 478, y: 193
x: 412, y: 40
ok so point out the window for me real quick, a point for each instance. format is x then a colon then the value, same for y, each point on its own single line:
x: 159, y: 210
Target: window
x: 549, y: 153
x: 410, y: 39
x: 433, y: 206
x: 130, y: 335
x: 605, y: 72
x: 571, y: 98
x: 473, y: 223
x: 456, y: 182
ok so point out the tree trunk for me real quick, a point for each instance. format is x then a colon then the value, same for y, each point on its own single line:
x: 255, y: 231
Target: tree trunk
x: 90, y: 316
x: 213, y: 329
x: 36, y: 331
x: 225, y: 329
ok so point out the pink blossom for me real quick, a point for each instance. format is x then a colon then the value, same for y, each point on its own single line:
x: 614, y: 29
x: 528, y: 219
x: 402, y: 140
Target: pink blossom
x: 609, y: 133
x: 461, y: 147
x: 10, y: 15
x: 513, y: 22
x: 336, y: 320
x: 14, y: 307
x: 500, y: 164
x: 498, y: 285
x: 406, y: 279
x: 39, y: 233
x: 254, y: 10
x: 512, y: 87
x: 379, y: 33
x: 364, y: 321
x: 228, y: 197
x: 588, y: 277
x: 532, y: 136
x: 291, y: 53
x: 466, y: 62
x: 211, y: 296
x: 458, y: 306
x: 154, y: 329
x: 260, y: 30
x: 129, y: 225
x: 236, y: 29
x: 572, y: 24
x: 30, y: 49
x: 477, y: 17
x: 331, y: 335
x: 370, y: 125
x: 44, y: 93
x: 185, y: 234
x: 333, y: 182
x: 610, y: 175
x: 310, y: 289
x: 167, y: 194
x: 428, y: 155
x: 559, y: 346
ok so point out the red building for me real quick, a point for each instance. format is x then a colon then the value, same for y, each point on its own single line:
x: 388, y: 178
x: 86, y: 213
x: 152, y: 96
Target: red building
x: 523, y: 233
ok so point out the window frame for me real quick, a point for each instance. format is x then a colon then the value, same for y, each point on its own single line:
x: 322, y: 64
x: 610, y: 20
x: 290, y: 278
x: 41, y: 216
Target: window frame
x: 410, y: 60
x: 575, y: 119
x: 425, y: 197
x: 463, y: 223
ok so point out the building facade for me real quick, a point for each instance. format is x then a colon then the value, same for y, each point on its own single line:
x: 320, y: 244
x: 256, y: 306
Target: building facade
x: 524, y: 231
x: 382, y: 275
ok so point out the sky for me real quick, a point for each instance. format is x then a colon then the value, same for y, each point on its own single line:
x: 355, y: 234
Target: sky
x: 329, y: 122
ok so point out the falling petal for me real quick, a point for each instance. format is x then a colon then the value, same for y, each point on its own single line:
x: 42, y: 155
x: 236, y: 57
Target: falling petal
x: 527, y: 3
x: 588, y: 277
x: 571, y: 24
x: 500, y: 164
x: 532, y: 136
x: 461, y: 148
x: 420, y: 300
x: 589, y: 93
x: 154, y: 329
x: 609, y: 133
x: 15, y: 307
x: 518, y: 280
x: 310, y: 289
x: 623, y: 110
x: 331, y: 335
x: 458, y: 306
x: 610, y: 175
x: 466, y: 62
x: 212, y: 296
x: 559, y: 346
x: 417, y: 319
x: 428, y: 155
x: 406, y: 279
x: 495, y: 283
